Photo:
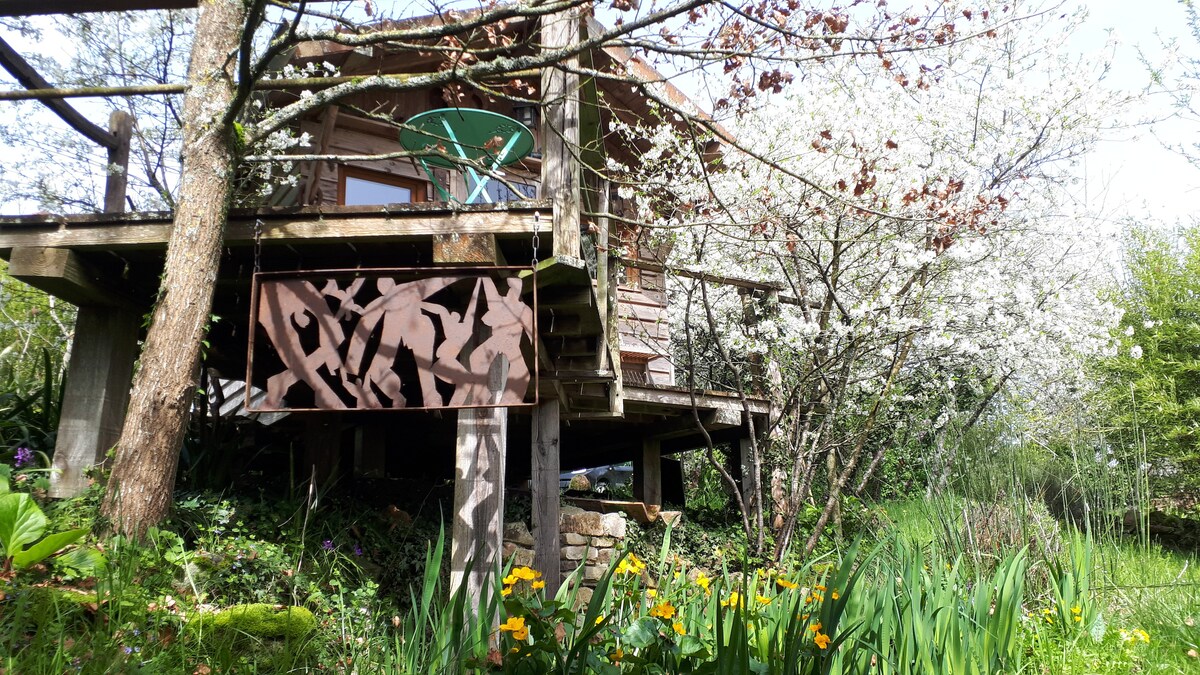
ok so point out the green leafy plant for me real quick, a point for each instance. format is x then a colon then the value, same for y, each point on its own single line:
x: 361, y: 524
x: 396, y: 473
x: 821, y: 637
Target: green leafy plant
x: 22, y: 524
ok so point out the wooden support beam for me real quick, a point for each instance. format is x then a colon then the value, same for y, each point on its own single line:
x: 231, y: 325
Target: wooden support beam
x: 120, y: 126
x: 36, y: 7
x: 309, y: 225
x: 560, y: 131
x: 322, y: 446
x: 479, y: 494
x: 370, y: 450
x: 64, y: 274
x: 30, y: 79
x: 647, y: 473
x: 99, y: 371
x: 547, y: 549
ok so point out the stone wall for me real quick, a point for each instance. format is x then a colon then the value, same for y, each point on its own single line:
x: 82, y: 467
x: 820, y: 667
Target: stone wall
x: 588, y: 537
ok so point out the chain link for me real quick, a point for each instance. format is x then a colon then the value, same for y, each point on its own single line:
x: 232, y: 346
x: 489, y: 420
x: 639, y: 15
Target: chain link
x: 258, y: 230
x: 537, y: 240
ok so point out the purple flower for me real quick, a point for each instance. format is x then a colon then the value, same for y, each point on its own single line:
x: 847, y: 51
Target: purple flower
x: 327, y: 544
x: 24, y: 456
x: 357, y: 549
x: 129, y: 650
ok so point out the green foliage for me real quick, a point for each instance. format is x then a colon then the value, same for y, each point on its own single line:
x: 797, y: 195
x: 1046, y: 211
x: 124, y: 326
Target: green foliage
x: 22, y: 524
x: 259, y: 621
x: 1150, y: 389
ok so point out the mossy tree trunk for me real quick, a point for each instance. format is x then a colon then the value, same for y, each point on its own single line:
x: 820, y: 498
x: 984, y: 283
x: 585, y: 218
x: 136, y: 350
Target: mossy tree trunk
x: 147, y: 453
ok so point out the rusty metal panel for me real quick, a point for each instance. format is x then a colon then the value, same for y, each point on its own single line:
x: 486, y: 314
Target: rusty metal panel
x: 389, y: 339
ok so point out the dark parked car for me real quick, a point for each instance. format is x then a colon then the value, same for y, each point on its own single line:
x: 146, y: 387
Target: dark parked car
x: 601, y: 479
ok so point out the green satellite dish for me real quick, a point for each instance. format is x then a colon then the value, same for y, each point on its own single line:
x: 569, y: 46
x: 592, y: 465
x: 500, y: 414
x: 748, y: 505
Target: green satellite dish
x: 479, y: 137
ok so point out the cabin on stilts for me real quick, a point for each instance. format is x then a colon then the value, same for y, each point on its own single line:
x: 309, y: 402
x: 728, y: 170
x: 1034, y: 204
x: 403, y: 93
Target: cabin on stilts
x: 510, y: 302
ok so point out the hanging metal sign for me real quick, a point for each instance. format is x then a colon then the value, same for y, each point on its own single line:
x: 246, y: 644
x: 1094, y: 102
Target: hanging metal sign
x: 390, y: 339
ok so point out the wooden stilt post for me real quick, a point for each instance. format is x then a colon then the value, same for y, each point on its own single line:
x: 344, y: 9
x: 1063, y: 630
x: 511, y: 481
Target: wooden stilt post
x: 370, y: 452
x: 547, y: 550
x: 647, y: 473
x: 322, y: 446
x: 97, y: 391
x: 560, y: 131
x: 103, y: 350
x: 479, y: 493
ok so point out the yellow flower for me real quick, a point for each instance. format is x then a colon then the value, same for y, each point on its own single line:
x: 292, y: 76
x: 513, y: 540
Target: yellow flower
x: 816, y: 627
x: 651, y: 593
x: 703, y: 581
x: 514, y: 623
x: 599, y: 620
x: 506, y: 591
x: 784, y: 583
x: 735, y: 600
x: 835, y: 595
x: 678, y: 626
x: 1142, y: 635
x: 510, y: 580
x: 539, y: 584
x: 822, y: 640
x: 664, y: 611
x: 819, y: 587
x: 526, y: 573
x: 520, y: 634
x: 1076, y: 610
x: 763, y: 599
x: 616, y: 656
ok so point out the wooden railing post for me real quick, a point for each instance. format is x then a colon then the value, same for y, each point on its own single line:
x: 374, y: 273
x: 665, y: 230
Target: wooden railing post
x: 560, y: 132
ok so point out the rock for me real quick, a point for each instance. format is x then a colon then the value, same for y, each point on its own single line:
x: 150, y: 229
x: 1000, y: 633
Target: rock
x: 603, y: 542
x: 587, y: 522
x: 614, y: 525
x: 260, y: 621
x: 518, y: 533
x: 583, y: 597
x: 594, y: 572
x: 523, y: 558
x: 573, y: 539
x: 577, y: 553
x: 605, y: 556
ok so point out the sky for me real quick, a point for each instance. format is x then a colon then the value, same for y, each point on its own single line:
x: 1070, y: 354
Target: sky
x: 1132, y: 172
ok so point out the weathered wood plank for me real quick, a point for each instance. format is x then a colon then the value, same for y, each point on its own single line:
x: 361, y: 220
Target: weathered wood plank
x: 680, y: 398
x: 306, y: 225
x: 546, y: 447
x: 63, y: 274
x: 29, y: 78
x: 479, y: 494
x: 97, y: 392
x: 647, y: 473
x: 120, y: 126
x: 560, y: 131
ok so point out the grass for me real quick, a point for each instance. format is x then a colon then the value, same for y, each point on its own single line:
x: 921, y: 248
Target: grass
x: 1135, y: 586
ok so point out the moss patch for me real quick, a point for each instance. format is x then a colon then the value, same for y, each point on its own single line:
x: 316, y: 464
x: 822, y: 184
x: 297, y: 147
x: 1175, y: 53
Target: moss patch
x: 259, y: 620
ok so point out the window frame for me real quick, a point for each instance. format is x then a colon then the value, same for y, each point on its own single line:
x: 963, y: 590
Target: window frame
x: 417, y: 186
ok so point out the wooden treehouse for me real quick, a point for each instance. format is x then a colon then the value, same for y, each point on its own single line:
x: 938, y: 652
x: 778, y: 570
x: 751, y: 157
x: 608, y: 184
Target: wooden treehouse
x: 601, y: 386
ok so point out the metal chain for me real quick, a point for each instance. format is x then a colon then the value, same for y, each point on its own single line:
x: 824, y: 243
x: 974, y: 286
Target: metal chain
x: 258, y: 230
x: 537, y: 240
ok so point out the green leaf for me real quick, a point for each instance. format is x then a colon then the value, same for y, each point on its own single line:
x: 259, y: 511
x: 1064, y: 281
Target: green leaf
x: 642, y: 633
x: 21, y: 522
x: 47, y: 547
x: 81, y: 562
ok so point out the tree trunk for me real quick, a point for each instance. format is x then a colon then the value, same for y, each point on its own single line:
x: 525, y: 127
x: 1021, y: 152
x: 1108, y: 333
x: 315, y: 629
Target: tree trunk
x: 147, y: 453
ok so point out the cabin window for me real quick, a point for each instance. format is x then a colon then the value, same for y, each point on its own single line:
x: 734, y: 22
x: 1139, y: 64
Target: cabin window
x: 361, y: 187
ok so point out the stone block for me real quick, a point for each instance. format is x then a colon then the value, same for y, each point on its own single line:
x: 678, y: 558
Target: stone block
x: 614, y: 525
x: 518, y: 533
x: 523, y: 558
x: 574, y: 553
x: 603, y: 542
x: 587, y: 523
x: 572, y: 539
x: 594, y: 572
x: 605, y: 556
x: 583, y: 597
